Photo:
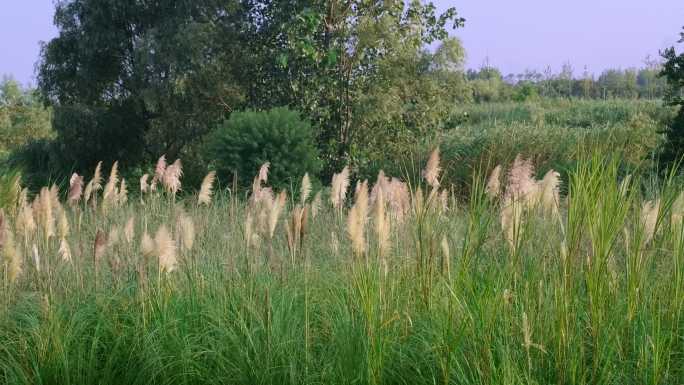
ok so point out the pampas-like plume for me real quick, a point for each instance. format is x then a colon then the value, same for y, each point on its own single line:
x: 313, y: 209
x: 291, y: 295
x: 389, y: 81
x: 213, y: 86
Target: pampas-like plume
x: 305, y: 189
x: 382, y: 224
x: 144, y: 187
x: 521, y: 184
x: 12, y: 256
x: 109, y: 194
x: 97, y: 177
x: 43, y: 210
x: 186, y: 229
x: 172, y: 177
x: 262, y: 177
x: 129, y: 230
x: 649, y: 219
x: 25, y: 223
x: 159, y: 169
x: 356, y: 220
x: 165, y: 249
x: 147, y: 246
x: 75, y: 189
x: 88, y: 192
x: 274, y: 213
x: 100, y: 246
x: 511, y: 221
x: 64, y: 250
x: 548, y: 190
x: 123, y: 192
x: 432, y: 169
x: 316, y: 205
x: 338, y: 191
x: 493, y: 189
x: 63, y: 223
x: 205, y: 193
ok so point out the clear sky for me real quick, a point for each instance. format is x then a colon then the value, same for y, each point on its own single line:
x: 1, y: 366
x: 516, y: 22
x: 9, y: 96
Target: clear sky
x: 512, y: 34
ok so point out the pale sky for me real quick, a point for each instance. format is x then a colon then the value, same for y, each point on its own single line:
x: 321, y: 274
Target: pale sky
x: 512, y: 35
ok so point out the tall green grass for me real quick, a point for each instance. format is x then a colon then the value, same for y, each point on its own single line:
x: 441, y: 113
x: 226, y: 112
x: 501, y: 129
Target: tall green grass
x: 587, y: 297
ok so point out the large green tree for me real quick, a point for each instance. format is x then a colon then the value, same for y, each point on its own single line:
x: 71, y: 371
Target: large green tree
x: 22, y: 117
x: 673, y: 71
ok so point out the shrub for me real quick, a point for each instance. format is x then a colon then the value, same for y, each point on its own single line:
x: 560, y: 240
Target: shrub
x: 240, y: 145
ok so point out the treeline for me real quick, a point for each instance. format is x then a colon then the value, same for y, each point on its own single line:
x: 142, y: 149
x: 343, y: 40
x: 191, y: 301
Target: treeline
x: 488, y: 84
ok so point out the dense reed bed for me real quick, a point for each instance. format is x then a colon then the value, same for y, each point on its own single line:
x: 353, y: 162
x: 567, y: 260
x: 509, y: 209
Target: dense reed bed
x: 525, y: 282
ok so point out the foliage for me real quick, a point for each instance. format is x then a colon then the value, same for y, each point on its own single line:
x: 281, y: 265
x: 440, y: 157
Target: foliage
x: 279, y: 136
x: 22, y: 117
x: 673, y: 71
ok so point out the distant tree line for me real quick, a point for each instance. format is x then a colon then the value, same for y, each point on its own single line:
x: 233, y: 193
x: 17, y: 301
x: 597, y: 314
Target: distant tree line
x: 488, y: 84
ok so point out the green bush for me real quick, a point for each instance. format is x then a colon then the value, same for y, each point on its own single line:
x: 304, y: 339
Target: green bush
x: 240, y: 145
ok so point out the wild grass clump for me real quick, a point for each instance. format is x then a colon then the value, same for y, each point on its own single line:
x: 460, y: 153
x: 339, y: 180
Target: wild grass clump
x: 528, y: 280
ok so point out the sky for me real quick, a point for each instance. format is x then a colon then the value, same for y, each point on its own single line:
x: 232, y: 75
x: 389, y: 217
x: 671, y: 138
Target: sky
x: 513, y: 35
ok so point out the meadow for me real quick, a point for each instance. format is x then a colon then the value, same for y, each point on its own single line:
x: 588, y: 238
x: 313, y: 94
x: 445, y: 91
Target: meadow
x: 525, y: 278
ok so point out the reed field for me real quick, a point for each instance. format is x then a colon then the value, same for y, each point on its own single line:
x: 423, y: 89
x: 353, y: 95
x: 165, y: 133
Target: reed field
x: 528, y: 280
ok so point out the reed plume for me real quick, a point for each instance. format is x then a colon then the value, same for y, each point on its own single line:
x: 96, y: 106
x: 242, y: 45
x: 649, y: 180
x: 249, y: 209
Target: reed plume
x: 165, y: 248
x: 186, y: 229
x: 159, y: 170
x: 549, y: 194
x: 305, y: 189
x: 316, y: 205
x: 64, y: 250
x: 356, y: 220
x: 172, y: 175
x: 109, y: 194
x: 432, y: 169
x: 144, y: 186
x: 382, y: 224
x: 12, y: 256
x: 205, y: 193
x: 62, y: 223
x: 338, y: 191
x: 75, y: 189
x: 147, y: 246
x: 493, y: 189
x: 274, y: 213
x: 122, y: 196
x: 129, y: 230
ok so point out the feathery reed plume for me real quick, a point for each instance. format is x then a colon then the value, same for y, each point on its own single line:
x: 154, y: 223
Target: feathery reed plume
x: 305, y: 189
x: 144, y: 186
x: 36, y: 257
x: 109, y: 194
x: 97, y: 177
x: 356, y: 220
x: 418, y: 201
x: 382, y: 224
x: 25, y: 223
x: 446, y: 259
x: 186, y: 229
x: 165, y: 249
x: 147, y: 246
x: 62, y: 223
x: 295, y: 228
x: 159, y: 170
x: 338, y: 191
x: 493, y: 189
x: 99, y: 246
x: 521, y: 183
x: 75, y: 189
x: 172, y: 177
x: 12, y: 256
x: 129, y: 230
x: 249, y: 229
x: 316, y: 205
x: 88, y: 192
x: 23, y: 197
x: 64, y: 250
x: 123, y: 192
x: 400, y: 199
x: 649, y: 219
x: 432, y: 169
x: 43, y: 210
x: 548, y: 190
x: 114, y: 236
x: 511, y: 221
x: 274, y: 213
x: 263, y: 172
x: 205, y: 193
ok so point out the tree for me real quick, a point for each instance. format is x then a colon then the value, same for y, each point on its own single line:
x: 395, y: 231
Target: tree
x: 673, y: 71
x: 22, y: 117
x: 133, y: 79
